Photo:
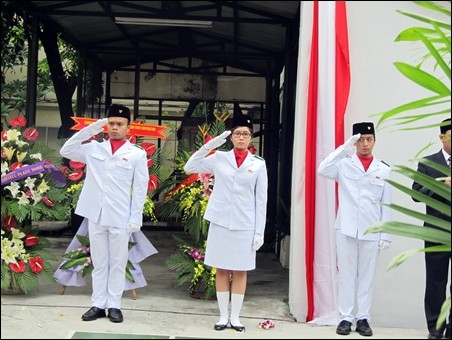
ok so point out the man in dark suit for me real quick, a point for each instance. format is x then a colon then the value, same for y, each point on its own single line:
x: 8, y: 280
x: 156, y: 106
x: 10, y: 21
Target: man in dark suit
x: 436, y: 263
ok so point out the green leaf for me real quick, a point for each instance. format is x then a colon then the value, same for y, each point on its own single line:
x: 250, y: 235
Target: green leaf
x: 73, y: 263
x: 445, y: 310
x: 83, y: 240
x: 411, y: 231
x: 401, y: 258
x: 423, y: 78
x: 129, y: 275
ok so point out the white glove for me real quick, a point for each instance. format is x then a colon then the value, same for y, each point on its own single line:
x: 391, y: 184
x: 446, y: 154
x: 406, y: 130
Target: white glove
x: 217, y: 141
x: 132, y: 227
x: 349, y: 145
x: 97, y: 126
x: 383, y: 244
x: 258, y: 241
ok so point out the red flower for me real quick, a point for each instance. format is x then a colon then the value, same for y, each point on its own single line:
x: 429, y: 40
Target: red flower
x: 31, y: 240
x: 18, y: 122
x: 15, y: 165
x: 31, y: 134
x: 207, y: 138
x: 18, y: 267
x: 36, y: 264
x: 153, y: 182
x: 149, y: 148
x: 187, y: 181
x: 64, y: 169
x: 76, y: 175
x: 76, y: 165
x: 9, y: 222
x: 150, y: 162
x: 47, y: 201
x: 252, y: 149
x: 132, y: 139
x: 4, y: 134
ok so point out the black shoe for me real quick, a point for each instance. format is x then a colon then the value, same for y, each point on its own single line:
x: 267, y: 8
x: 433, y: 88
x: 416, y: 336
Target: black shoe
x: 447, y: 332
x: 93, y: 313
x: 220, y: 327
x: 238, y: 328
x: 434, y: 334
x: 363, y: 328
x: 115, y: 315
x: 344, y: 327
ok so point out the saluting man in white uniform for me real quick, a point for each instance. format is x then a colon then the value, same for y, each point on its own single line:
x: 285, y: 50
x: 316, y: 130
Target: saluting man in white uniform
x: 112, y: 199
x: 236, y: 210
x: 362, y: 187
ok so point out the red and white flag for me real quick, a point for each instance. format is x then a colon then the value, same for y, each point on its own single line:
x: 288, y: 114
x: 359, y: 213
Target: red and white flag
x: 323, y: 84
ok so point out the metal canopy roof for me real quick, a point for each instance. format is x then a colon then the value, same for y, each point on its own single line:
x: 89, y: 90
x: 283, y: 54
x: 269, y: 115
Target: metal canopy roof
x: 250, y: 35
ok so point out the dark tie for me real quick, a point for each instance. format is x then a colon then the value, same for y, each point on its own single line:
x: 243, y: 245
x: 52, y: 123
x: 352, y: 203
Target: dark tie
x: 448, y: 162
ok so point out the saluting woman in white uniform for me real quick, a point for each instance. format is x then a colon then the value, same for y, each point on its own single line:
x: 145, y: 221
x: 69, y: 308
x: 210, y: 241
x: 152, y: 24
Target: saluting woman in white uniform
x: 236, y: 211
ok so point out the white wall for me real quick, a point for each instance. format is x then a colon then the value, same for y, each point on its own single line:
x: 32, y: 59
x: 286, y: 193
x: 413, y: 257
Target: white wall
x: 377, y: 86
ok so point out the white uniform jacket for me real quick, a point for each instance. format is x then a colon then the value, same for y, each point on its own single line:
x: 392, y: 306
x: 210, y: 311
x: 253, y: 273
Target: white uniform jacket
x: 115, y: 187
x: 360, y: 193
x: 239, y: 197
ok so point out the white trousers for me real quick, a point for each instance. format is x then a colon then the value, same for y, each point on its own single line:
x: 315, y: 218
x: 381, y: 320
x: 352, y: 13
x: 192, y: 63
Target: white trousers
x: 357, y: 262
x: 109, y: 252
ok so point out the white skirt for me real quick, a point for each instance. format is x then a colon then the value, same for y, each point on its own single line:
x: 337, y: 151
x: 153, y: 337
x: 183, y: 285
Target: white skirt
x: 230, y: 249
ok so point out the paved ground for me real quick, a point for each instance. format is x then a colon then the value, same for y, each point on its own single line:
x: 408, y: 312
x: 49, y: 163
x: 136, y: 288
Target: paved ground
x: 164, y: 311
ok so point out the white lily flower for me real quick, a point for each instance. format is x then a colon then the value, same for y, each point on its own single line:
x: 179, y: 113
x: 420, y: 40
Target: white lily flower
x: 5, y: 168
x: 37, y: 156
x: 12, y: 135
x: 14, y: 188
x: 30, y: 182
x: 23, y: 200
x: 43, y: 187
x: 9, y: 152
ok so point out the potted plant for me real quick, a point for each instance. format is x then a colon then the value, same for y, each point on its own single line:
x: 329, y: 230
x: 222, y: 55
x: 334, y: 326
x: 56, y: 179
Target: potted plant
x: 186, y: 199
x: 32, y: 190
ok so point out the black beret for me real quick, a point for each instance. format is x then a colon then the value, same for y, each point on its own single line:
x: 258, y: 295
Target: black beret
x: 444, y: 128
x: 242, y: 120
x: 117, y: 110
x: 364, y: 128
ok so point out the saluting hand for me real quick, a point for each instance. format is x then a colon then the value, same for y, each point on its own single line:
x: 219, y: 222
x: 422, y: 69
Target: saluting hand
x: 217, y: 141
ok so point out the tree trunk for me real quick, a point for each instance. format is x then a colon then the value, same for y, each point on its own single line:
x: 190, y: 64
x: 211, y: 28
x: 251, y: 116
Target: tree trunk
x: 64, y: 87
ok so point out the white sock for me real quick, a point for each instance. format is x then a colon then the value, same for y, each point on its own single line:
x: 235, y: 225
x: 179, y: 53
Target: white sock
x: 236, y: 307
x: 223, y: 305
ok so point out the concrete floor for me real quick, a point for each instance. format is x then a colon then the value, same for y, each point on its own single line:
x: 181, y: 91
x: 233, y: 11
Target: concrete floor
x: 162, y: 309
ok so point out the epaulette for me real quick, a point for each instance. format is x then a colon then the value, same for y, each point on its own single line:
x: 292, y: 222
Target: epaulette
x: 258, y: 157
x: 385, y: 163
